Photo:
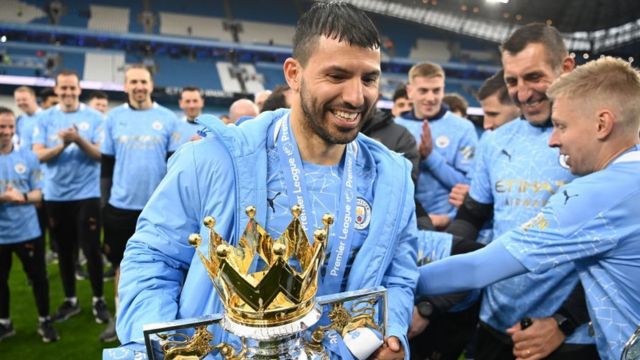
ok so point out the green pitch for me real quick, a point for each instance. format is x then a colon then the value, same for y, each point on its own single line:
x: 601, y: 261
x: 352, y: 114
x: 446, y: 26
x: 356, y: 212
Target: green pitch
x: 78, y: 335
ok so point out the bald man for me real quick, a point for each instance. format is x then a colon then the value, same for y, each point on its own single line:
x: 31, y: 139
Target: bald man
x: 242, y: 108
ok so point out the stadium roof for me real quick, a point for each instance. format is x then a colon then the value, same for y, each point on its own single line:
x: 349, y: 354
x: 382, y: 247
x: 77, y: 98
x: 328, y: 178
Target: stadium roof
x: 566, y: 15
x: 587, y: 25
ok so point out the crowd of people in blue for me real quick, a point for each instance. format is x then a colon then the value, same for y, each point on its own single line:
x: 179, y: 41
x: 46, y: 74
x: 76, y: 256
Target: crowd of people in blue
x: 519, y: 244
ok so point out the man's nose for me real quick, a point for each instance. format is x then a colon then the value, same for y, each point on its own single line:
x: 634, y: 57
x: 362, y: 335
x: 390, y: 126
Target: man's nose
x: 353, y: 93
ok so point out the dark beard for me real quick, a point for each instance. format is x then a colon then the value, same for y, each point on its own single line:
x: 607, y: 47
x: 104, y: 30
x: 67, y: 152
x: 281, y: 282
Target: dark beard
x: 312, y: 122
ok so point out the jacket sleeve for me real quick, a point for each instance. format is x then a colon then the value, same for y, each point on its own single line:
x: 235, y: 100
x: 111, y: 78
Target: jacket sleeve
x: 402, y: 273
x: 455, y: 173
x: 158, y: 255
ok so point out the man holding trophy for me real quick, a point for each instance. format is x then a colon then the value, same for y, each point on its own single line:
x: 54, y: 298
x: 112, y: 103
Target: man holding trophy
x: 308, y: 162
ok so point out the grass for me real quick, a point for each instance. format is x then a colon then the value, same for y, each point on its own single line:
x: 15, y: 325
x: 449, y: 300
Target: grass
x: 79, y: 336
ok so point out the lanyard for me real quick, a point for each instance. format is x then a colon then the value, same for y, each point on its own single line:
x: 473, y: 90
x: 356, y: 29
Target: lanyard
x: 340, y: 239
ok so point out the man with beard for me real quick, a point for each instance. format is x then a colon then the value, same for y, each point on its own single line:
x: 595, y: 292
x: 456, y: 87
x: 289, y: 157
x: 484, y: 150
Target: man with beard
x: 140, y: 135
x: 590, y: 222
x: 515, y: 174
x: 334, y: 75
x: 446, y: 142
x: 191, y: 102
x: 67, y: 140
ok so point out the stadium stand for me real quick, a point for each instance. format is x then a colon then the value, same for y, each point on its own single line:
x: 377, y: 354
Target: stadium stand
x: 174, y: 29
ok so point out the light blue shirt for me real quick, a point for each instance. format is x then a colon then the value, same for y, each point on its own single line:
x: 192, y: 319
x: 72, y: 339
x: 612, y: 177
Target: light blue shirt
x: 140, y: 141
x: 454, y: 142
x: 187, y: 130
x: 25, y: 124
x: 323, y: 186
x: 593, y: 223
x: 72, y: 175
x: 18, y: 222
x: 517, y: 171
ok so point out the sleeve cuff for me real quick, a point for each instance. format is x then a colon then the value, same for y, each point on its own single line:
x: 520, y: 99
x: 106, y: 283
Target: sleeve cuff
x: 434, y: 160
x: 395, y: 330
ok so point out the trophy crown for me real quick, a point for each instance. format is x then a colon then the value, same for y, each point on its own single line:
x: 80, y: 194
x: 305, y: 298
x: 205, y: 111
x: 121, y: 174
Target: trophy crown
x: 284, y: 289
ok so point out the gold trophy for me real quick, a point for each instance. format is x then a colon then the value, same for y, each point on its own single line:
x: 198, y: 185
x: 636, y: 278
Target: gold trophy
x: 272, y: 313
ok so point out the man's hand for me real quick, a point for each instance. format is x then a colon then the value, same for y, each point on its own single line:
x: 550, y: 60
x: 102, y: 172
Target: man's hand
x: 440, y: 222
x: 457, y: 194
x: 426, y: 143
x: 390, y: 350
x: 68, y: 135
x: 537, y: 341
x: 12, y: 195
x: 418, y: 324
x: 195, y: 138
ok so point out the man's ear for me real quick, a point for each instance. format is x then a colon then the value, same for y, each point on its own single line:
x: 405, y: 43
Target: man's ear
x: 292, y: 73
x: 568, y: 64
x: 605, y: 123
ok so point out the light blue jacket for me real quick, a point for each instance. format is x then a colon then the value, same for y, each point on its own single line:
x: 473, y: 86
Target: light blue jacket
x: 162, y: 279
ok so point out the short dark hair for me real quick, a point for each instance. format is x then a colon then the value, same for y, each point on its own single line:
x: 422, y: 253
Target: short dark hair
x: 46, y: 93
x: 538, y: 33
x: 456, y: 103
x: 401, y: 92
x: 335, y: 20
x: 191, y: 88
x: 276, y: 99
x: 6, y: 110
x: 67, y: 72
x: 98, y: 95
x: 495, y: 85
x: 137, y: 66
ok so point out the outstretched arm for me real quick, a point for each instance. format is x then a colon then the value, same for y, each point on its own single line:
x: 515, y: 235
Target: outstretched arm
x: 468, y: 271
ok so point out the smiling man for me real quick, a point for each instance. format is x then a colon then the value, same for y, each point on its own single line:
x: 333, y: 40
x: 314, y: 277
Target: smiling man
x: 446, y: 142
x: 334, y: 75
x: 590, y: 223
x: 515, y: 174
x: 67, y: 140
x: 191, y: 102
x: 25, y: 98
x: 140, y: 135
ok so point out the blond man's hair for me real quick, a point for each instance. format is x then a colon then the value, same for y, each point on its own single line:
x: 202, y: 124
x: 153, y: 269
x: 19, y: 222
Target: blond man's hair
x: 608, y: 81
x: 425, y: 69
x: 25, y: 89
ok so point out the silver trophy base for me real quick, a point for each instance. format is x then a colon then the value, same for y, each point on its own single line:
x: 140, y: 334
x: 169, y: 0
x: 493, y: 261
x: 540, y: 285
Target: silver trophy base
x: 287, y: 348
x: 285, y: 342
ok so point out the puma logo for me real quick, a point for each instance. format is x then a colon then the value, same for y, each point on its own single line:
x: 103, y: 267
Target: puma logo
x: 270, y: 201
x: 567, y: 196
x: 505, y: 153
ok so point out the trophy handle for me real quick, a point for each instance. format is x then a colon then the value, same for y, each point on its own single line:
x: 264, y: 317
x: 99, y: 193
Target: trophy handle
x: 362, y: 312
x: 632, y: 347
x: 165, y: 341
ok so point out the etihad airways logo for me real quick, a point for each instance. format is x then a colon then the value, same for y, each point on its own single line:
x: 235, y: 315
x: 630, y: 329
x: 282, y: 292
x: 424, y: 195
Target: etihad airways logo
x: 523, y: 186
